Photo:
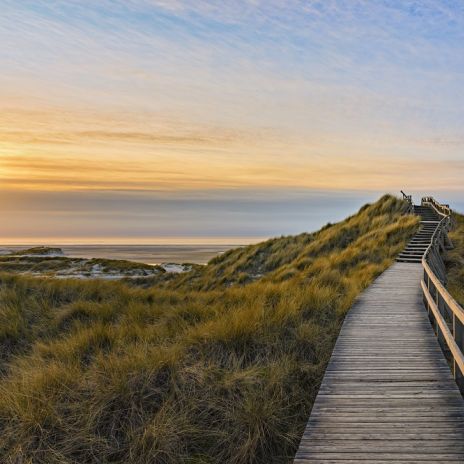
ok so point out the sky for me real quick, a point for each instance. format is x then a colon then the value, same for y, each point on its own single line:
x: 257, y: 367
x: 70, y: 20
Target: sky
x: 149, y: 120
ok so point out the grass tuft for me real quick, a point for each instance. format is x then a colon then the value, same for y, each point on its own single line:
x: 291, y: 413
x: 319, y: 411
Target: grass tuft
x: 221, y: 364
x: 454, y: 260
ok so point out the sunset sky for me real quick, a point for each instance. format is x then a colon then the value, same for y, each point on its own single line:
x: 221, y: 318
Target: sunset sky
x: 146, y: 120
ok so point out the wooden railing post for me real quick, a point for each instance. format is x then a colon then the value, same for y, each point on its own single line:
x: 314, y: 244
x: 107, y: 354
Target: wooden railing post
x: 428, y: 288
x: 440, y: 310
x: 445, y: 314
x: 408, y: 198
x: 458, y: 333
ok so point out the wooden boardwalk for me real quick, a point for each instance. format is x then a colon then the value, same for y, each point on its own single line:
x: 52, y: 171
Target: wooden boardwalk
x: 388, y: 394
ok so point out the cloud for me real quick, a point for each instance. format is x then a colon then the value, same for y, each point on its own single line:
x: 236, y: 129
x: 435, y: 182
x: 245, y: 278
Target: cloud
x: 343, y: 172
x: 149, y: 94
x: 112, y: 136
x: 141, y: 216
x: 444, y: 141
x: 135, y: 217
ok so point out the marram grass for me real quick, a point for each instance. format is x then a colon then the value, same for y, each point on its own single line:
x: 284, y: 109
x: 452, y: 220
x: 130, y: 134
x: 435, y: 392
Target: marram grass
x: 220, y: 365
x: 454, y: 260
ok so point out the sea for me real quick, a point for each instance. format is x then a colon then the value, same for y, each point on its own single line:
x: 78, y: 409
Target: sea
x: 148, y: 254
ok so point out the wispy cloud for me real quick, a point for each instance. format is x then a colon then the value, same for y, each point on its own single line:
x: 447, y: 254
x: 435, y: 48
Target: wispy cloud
x: 148, y: 216
x: 120, y: 173
x: 158, y: 95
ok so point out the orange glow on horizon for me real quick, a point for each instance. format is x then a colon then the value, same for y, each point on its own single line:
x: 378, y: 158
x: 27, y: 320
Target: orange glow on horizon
x: 59, y: 149
x: 62, y: 241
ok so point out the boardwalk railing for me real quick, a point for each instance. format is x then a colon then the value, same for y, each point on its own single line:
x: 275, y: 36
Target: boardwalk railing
x: 442, y: 210
x: 446, y: 315
x: 387, y: 394
x: 408, y: 198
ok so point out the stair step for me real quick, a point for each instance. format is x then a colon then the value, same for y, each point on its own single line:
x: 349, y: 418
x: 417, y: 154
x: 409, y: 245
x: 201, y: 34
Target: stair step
x: 419, y: 244
x: 409, y: 260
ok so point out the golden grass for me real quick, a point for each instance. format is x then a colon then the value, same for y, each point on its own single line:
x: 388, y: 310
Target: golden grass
x: 219, y: 365
x: 454, y: 260
x: 36, y: 264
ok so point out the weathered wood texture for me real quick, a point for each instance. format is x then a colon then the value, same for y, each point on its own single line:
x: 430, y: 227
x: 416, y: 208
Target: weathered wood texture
x: 446, y: 314
x: 388, y: 394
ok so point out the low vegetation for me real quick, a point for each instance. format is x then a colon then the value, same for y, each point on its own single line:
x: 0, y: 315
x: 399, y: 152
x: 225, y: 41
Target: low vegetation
x: 454, y: 260
x: 50, y: 262
x: 217, y: 365
x: 41, y: 250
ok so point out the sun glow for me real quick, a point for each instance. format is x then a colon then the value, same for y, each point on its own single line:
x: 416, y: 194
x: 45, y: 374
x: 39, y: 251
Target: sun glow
x: 196, y: 99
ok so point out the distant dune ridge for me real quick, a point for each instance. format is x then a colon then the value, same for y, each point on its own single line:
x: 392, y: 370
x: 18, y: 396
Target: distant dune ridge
x: 217, y: 364
x: 39, y: 251
x: 51, y: 262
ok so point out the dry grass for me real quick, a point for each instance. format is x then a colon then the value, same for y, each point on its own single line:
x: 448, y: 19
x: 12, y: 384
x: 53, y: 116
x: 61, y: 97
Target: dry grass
x: 454, y: 260
x: 40, y: 250
x: 25, y: 262
x: 215, y: 366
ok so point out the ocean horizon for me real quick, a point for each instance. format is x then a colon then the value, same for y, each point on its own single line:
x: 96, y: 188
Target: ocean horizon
x: 148, y: 254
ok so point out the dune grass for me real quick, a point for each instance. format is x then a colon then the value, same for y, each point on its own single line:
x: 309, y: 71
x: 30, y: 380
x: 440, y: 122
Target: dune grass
x: 454, y: 260
x: 39, y: 250
x: 219, y: 365
x: 52, y: 266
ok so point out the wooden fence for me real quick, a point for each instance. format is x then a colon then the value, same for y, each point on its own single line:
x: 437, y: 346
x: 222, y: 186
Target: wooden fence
x: 408, y: 198
x: 446, y: 315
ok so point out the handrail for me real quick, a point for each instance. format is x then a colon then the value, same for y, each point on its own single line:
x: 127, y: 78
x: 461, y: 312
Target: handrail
x: 442, y: 210
x: 445, y: 313
x: 408, y: 198
x: 447, y: 334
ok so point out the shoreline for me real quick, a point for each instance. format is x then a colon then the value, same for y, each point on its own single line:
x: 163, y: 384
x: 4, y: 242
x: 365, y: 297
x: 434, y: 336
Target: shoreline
x: 145, y: 254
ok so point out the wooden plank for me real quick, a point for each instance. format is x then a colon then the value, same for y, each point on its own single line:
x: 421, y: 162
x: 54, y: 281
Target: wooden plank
x: 407, y: 457
x: 388, y: 394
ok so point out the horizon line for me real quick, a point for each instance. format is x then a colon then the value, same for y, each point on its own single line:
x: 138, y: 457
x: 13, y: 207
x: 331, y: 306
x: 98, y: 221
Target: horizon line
x: 159, y: 241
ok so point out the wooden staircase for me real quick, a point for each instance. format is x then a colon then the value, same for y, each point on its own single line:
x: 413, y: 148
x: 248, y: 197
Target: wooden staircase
x: 418, y: 245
